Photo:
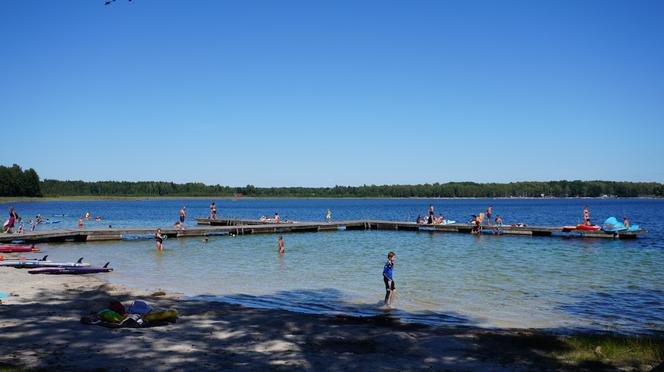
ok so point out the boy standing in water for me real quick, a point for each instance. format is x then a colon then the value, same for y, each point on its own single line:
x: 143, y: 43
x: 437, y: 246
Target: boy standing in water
x: 390, y: 288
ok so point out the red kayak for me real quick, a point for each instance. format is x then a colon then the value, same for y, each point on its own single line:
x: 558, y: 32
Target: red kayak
x: 587, y: 228
x: 17, y: 249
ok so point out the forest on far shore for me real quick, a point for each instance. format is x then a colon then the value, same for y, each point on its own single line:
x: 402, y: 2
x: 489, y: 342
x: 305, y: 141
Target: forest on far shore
x: 15, y: 181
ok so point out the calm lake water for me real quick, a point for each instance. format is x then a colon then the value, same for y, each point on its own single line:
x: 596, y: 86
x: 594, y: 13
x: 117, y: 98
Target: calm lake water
x: 489, y: 281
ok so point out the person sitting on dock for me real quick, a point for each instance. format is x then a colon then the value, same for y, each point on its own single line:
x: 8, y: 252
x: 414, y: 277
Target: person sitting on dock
x: 80, y: 222
x: 626, y: 222
x: 488, y: 215
x: 276, y: 217
x: 499, y: 221
x: 178, y: 225
x: 477, y: 225
x: 419, y: 220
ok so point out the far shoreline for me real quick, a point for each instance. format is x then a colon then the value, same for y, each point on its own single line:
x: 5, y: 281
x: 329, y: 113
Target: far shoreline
x: 25, y: 199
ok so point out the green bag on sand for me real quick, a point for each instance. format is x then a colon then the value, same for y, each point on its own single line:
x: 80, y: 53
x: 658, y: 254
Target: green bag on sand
x: 109, y: 316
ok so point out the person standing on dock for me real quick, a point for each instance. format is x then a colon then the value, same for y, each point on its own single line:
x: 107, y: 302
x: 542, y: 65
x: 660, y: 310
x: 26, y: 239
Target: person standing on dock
x: 388, y: 279
x: 182, y: 216
x: 80, y: 222
x: 328, y: 217
x: 281, y: 245
x: 431, y: 212
x: 586, y: 216
x: 488, y: 215
x: 213, y: 211
x: 626, y: 222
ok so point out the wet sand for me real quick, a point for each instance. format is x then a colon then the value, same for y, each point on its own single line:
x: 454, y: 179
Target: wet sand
x: 40, y: 329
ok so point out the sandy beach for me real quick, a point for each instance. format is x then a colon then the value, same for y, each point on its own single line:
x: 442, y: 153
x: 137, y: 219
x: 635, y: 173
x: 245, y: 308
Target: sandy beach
x: 41, y: 329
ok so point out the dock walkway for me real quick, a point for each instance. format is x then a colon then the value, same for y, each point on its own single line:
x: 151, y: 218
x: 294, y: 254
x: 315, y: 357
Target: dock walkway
x: 207, y: 227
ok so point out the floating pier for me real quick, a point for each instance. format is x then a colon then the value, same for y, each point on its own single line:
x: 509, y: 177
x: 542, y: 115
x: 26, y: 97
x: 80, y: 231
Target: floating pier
x: 207, y: 227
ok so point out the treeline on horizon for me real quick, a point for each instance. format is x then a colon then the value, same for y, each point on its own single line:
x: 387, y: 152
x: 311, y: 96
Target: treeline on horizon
x: 16, y: 182
x: 445, y: 190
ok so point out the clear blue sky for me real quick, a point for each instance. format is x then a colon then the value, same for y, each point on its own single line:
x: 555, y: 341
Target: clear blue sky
x: 317, y: 93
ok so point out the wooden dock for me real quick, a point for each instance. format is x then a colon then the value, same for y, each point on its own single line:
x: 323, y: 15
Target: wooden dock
x: 208, y: 227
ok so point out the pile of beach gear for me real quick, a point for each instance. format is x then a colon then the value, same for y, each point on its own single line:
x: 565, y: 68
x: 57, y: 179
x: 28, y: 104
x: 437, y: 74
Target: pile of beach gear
x: 137, y: 315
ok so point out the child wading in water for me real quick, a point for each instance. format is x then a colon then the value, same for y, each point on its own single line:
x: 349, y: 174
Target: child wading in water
x: 160, y: 240
x: 390, y: 288
x: 281, y: 245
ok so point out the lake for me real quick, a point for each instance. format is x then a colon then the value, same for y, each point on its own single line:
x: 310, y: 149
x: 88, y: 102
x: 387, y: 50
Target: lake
x: 489, y: 281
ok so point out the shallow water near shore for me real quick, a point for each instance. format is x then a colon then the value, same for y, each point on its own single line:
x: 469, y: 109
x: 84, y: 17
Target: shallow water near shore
x: 489, y: 281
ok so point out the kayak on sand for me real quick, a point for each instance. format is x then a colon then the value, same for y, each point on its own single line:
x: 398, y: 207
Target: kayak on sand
x: 72, y: 270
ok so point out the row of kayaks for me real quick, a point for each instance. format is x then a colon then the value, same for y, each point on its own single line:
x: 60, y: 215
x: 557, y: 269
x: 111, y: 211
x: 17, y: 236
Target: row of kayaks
x: 17, y: 249
x: 45, y: 266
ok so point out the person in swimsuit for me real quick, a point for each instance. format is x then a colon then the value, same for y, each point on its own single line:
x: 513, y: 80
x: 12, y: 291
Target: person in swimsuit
x: 182, y: 216
x: 488, y: 214
x: 276, y: 217
x: 213, y: 211
x: 281, y: 245
x: 586, y: 216
x: 430, y: 221
x: 328, y: 217
x: 9, y: 226
x: 80, y: 222
x: 388, y: 279
x: 625, y: 221
x: 160, y: 240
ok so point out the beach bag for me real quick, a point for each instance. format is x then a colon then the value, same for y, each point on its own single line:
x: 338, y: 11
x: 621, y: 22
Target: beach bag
x: 118, y: 307
x: 164, y: 315
x: 139, y: 307
x: 110, y: 316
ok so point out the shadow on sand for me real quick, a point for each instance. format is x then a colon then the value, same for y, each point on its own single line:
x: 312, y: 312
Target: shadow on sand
x: 212, y: 335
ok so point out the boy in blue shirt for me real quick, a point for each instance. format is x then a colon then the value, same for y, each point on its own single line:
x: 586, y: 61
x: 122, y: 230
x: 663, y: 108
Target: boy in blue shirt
x: 390, y: 288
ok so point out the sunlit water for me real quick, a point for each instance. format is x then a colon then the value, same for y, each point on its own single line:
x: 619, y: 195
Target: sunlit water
x: 490, y: 281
